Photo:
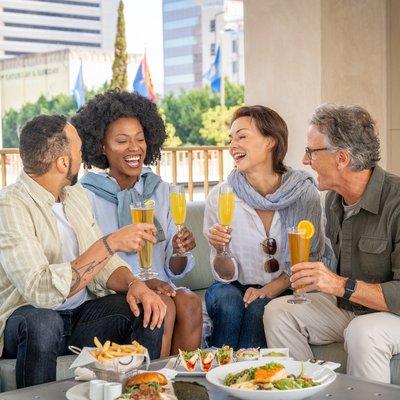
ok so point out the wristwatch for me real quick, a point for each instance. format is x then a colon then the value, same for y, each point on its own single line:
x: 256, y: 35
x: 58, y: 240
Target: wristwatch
x: 349, y: 288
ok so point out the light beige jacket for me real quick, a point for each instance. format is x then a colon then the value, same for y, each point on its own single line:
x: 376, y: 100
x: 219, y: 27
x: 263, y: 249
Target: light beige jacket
x: 32, y: 270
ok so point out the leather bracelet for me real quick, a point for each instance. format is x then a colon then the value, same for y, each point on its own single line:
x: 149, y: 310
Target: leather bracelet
x: 107, y: 246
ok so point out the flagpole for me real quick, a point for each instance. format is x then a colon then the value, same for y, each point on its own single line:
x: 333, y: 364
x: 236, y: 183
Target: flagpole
x: 222, y: 86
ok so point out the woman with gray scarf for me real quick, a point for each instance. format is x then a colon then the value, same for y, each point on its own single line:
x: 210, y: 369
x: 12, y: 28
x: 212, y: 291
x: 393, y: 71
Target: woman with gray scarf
x: 269, y: 198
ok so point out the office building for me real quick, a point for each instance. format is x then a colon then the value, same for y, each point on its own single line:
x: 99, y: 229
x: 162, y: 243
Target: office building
x: 25, y: 78
x: 37, y: 26
x: 183, y: 64
x: 222, y: 25
x: 192, y: 31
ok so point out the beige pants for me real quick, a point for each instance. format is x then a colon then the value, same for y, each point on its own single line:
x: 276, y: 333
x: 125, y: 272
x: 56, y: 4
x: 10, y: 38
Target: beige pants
x: 370, y: 340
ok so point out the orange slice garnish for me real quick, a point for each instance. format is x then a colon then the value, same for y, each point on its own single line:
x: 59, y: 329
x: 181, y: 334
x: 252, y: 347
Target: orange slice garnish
x: 307, y: 227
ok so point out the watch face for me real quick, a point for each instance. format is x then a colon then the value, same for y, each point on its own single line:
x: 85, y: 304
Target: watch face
x: 349, y: 288
x: 350, y: 285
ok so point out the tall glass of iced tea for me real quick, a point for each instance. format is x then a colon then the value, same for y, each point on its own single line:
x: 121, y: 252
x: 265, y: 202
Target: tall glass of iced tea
x: 299, y: 248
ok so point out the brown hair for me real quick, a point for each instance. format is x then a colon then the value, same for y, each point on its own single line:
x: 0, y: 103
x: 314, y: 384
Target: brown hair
x: 269, y: 123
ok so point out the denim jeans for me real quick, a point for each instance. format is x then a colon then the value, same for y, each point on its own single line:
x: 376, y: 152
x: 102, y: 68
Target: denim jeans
x: 233, y: 324
x: 36, y: 336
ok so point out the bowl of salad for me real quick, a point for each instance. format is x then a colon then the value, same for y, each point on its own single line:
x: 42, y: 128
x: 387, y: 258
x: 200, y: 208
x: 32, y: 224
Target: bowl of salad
x: 263, y: 380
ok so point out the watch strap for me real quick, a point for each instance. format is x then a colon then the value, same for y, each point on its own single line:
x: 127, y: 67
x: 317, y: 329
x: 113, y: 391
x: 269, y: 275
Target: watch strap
x: 349, y: 288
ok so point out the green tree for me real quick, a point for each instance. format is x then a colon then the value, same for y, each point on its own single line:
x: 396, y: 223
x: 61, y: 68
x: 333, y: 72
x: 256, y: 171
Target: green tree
x: 172, y: 140
x: 10, y: 129
x: 63, y: 104
x: 186, y: 109
x: 234, y: 94
x: 120, y: 64
x: 216, y: 123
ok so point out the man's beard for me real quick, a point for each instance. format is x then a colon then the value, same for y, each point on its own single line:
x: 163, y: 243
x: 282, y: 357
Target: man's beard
x: 73, y: 178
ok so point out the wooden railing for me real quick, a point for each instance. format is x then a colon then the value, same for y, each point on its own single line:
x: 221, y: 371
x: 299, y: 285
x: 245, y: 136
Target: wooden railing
x: 197, y: 167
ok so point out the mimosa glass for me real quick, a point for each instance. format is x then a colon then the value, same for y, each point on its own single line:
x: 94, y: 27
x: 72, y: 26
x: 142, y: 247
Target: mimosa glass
x: 299, y: 247
x: 177, y: 199
x: 226, y: 208
x: 144, y: 212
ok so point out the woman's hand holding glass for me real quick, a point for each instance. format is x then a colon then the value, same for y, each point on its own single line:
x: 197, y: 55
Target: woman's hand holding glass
x: 183, y: 242
x: 219, y: 237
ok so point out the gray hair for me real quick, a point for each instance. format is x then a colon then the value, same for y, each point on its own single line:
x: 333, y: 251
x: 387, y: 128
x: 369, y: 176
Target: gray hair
x: 352, y: 128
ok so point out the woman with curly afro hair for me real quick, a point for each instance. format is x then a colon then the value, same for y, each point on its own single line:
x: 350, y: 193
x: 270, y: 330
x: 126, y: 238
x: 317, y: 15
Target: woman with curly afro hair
x: 122, y: 133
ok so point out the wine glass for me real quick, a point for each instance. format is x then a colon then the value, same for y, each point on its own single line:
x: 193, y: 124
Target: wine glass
x: 144, y: 212
x: 299, y: 247
x: 226, y: 208
x: 178, y: 210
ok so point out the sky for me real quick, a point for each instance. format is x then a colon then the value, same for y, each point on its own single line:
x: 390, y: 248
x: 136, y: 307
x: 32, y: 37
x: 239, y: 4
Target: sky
x: 143, y: 20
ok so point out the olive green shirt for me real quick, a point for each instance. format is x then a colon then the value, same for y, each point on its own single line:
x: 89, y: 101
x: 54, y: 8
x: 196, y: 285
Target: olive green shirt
x: 367, y: 243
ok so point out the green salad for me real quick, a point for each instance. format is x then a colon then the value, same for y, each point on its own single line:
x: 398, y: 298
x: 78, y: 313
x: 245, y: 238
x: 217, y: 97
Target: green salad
x: 271, y: 376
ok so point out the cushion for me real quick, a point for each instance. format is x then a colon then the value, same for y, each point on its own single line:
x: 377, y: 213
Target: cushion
x: 201, y: 276
x: 7, y: 371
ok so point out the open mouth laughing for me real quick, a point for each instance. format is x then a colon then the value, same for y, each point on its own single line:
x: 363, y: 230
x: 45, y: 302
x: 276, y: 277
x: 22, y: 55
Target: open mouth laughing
x: 238, y: 156
x: 133, y: 160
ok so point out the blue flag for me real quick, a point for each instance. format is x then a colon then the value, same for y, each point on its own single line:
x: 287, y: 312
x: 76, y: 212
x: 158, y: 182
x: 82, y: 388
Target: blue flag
x: 214, y: 73
x: 79, y: 90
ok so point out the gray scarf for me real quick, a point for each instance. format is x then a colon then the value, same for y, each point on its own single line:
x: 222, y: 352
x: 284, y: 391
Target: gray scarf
x: 108, y: 189
x: 296, y: 199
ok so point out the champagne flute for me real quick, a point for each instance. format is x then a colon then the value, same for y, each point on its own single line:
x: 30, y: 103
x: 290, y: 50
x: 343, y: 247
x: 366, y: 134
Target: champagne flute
x: 178, y: 210
x: 144, y: 212
x: 226, y: 207
x: 299, y: 247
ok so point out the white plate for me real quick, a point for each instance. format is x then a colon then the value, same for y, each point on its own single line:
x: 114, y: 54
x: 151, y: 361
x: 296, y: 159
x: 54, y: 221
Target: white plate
x: 324, y: 375
x: 79, y: 392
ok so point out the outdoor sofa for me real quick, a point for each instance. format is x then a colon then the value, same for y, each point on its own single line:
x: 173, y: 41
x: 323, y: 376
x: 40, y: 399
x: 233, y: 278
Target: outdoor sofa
x: 198, y: 280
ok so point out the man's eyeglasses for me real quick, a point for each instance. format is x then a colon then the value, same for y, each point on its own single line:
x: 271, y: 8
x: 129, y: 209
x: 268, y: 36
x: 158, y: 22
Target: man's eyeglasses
x: 309, y: 151
x: 269, y: 247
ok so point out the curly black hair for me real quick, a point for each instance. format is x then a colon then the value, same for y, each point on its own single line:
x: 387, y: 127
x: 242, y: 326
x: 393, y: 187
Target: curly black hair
x: 92, y: 120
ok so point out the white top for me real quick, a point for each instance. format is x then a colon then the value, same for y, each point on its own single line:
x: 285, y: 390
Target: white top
x: 70, y: 252
x: 247, y: 235
x: 107, y: 218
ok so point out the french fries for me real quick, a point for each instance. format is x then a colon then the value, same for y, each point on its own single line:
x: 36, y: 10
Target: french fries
x: 108, y: 351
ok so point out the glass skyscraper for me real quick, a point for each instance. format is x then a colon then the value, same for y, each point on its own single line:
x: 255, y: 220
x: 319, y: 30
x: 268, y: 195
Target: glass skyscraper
x: 182, y: 45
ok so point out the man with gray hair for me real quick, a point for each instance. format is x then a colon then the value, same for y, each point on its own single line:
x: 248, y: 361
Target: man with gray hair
x: 360, y: 304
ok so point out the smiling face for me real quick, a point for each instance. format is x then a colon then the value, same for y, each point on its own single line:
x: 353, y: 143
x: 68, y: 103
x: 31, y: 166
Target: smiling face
x: 250, y: 149
x: 324, y: 162
x: 125, y: 148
